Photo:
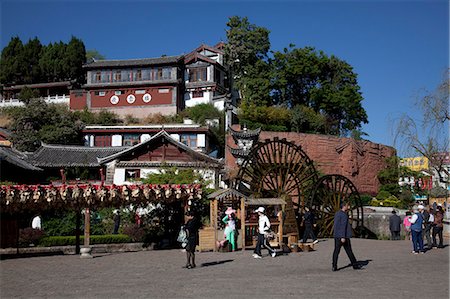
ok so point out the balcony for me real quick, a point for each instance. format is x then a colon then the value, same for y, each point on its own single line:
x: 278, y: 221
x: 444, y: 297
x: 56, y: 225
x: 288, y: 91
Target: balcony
x: 57, y: 99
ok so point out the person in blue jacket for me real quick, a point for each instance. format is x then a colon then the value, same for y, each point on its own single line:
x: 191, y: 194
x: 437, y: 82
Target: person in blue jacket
x: 342, y: 235
x: 416, y: 229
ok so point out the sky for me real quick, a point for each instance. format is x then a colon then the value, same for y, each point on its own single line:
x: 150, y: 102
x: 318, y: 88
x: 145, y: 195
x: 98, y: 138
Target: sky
x: 399, y: 48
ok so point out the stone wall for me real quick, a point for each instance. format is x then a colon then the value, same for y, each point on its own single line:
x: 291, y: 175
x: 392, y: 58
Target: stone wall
x: 359, y: 161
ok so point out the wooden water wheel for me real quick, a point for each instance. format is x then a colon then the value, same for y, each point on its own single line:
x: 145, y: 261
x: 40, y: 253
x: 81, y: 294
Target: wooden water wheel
x: 325, y: 201
x: 277, y: 168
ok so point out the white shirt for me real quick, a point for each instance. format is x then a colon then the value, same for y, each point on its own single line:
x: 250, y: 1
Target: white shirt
x: 263, y: 224
x: 36, y: 223
x: 413, y: 219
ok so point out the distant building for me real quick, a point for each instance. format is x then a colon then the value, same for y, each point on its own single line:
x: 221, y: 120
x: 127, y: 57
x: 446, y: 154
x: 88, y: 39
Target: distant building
x: 51, y: 93
x: 192, y: 135
x: 415, y: 163
x: 164, y: 85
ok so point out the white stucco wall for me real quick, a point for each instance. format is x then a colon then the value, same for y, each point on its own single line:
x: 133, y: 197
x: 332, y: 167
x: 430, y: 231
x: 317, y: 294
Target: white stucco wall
x: 201, y: 140
x: 116, y: 140
x: 145, y: 137
x: 119, y: 176
x: 175, y: 136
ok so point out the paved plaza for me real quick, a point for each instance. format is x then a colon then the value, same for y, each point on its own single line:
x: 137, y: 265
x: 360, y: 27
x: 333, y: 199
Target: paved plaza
x: 391, y: 272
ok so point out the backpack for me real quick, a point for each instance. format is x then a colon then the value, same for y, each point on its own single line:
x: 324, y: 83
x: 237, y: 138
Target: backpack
x: 182, y: 237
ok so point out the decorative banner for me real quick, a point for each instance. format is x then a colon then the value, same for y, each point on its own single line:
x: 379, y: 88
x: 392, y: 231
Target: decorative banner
x: 147, y: 98
x: 42, y: 197
x: 131, y: 99
x: 114, y: 100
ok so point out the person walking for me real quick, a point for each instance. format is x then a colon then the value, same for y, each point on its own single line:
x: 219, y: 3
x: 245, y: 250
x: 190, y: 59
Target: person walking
x: 308, y: 221
x: 394, y: 225
x: 230, y: 229
x: 116, y: 219
x: 342, y: 235
x: 438, y: 227
x: 263, y: 229
x: 416, y: 230
x: 192, y: 226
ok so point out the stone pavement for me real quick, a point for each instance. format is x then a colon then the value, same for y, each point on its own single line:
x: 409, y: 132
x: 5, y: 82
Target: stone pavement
x: 392, y: 272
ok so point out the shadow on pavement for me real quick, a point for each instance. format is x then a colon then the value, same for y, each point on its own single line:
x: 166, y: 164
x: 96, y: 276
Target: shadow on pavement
x: 360, y: 263
x: 27, y: 255
x: 215, y: 263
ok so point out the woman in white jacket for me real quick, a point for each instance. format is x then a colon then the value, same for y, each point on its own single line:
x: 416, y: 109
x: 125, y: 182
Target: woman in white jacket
x: 263, y: 229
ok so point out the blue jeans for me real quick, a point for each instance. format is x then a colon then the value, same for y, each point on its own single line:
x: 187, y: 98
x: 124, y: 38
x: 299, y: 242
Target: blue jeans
x: 417, y: 240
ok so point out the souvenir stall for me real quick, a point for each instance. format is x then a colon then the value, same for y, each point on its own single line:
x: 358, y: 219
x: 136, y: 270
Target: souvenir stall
x: 274, y: 210
x: 223, y: 202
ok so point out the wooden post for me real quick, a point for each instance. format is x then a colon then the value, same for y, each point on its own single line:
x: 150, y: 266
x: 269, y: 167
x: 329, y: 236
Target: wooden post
x: 86, y: 250
x: 77, y: 231
x: 243, y: 222
x: 215, y: 223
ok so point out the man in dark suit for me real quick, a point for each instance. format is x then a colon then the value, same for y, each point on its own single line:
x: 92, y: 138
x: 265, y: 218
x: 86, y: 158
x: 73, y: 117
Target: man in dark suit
x: 342, y: 235
x: 394, y: 225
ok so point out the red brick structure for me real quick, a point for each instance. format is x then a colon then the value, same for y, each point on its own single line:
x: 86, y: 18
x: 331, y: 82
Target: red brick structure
x: 360, y: 161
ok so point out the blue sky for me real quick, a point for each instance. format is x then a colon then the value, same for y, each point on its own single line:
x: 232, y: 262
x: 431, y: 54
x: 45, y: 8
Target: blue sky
x: 397, y: 48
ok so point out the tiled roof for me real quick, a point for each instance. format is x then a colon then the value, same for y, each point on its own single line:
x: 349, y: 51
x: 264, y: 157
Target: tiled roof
x: 238, y: 152
x: 245, y: 134
x: 132, y: 83
x: 153, y: 164
x: 219, y: 194
x: 40, y: 85
x: 16, y: 158
x: 200, y: 157
x: 70, y: 156
x: 264, y: 201
x: 133, y: 62
x: 200, y: 84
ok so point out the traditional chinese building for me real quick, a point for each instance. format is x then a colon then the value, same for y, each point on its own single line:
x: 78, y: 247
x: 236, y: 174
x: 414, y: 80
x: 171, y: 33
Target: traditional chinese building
x: 190, y: 134
x: 50, y: 92
x: 164, y: 85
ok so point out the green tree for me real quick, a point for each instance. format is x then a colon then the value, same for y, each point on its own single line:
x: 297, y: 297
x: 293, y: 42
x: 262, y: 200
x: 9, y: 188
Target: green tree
x: 328, y: 85
x: 173, y: 175
x: 94, y: 55
x: 247, y: 44
x: 103, y: 117
x: 200, y: 114
x: 30, y: 56
x: 27, y: 94
x: 12, y: 65
x: 73, y: 60
x: 38, y: 121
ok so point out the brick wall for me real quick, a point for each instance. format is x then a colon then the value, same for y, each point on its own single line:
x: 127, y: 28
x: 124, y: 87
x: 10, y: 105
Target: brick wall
x: 360, y: 161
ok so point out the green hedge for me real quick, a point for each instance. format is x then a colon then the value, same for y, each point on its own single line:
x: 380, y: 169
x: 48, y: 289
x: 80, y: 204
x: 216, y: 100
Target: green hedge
x: 95, y: 239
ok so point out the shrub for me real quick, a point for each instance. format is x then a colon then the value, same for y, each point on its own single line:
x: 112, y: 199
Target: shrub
x: 94, y: 239
x: 366, y: 199
x: 382, y: 195
x: 135, y: 232
x: 29, y: 236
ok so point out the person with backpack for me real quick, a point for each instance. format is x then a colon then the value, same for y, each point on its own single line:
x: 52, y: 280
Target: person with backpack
x: 416, y: 229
